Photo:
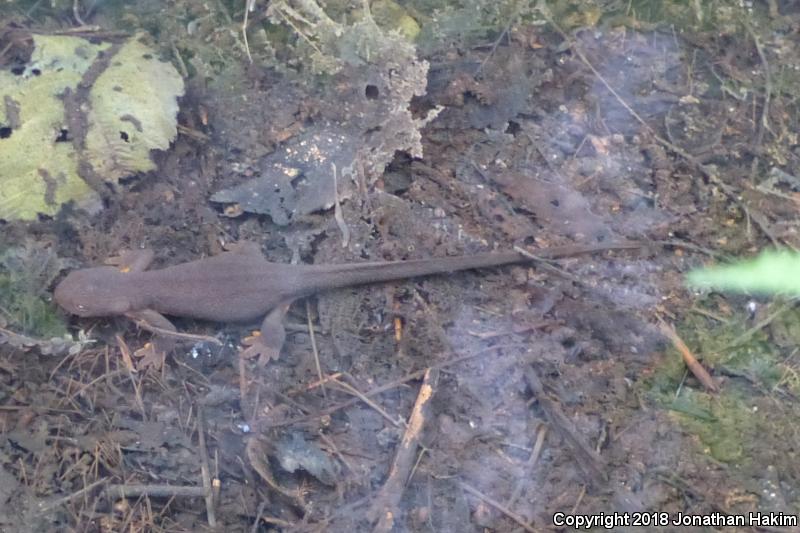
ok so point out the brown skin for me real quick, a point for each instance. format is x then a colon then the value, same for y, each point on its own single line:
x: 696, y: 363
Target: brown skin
x: 241, y: 286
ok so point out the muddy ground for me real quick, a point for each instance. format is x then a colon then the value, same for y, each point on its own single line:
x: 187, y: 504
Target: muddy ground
x: 477, y: 401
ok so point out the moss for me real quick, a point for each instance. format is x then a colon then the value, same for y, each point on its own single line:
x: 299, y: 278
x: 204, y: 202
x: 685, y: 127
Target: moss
x: 745, y: 420
x: 25, y: 275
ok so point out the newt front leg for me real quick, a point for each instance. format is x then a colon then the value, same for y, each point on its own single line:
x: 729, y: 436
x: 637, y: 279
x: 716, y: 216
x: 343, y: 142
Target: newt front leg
x: 267, y: 343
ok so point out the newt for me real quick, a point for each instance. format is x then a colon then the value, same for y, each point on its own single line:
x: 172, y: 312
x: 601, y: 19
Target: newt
x: 242, y: 286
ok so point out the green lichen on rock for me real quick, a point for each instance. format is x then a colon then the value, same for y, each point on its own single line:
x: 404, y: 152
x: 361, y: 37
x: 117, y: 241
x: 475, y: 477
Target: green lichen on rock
x: 130, y: 109
x: 38, y: 173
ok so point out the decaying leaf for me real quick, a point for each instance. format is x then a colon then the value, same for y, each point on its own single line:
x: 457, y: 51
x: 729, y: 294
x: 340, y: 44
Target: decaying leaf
x: 38, y: 167
x: 133, y: 105
x: 47, y: 150
x: 297, y: 179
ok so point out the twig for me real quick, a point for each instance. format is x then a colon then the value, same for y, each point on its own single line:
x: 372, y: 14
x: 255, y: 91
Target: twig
x: 361, y: 396
x: 689, y: 246
x: 688, y: 357
x: 45, y: 507
x: 286, y: 13
x: 76, y: 12
x: 578, y: 500
x: 524, y: 475
x: 197, y: 135
x: 175, y: 334
x: 386, y: 505
x: 118, y: 492
x: 181, y: 65
x: 128, y: 363
x: 92, y: 30
x: 337, y: 210
x: 268, y: 519
x: 499, y: 506
x: 259, y: 512
x: 764, y: 122
x: 315, y: 351
x: 277, y: 522
x: 288, y: 399
x: 87, y: 386
x: 332, y: 445
x: 205, y: 470
x: 744, y: 337
x: 313, y: 385
x: 243, y: 386
x: 497, y: 42
x: 588, y: 460
x: 248, y: 7
x: 547, y: 264
x: 33, y: 8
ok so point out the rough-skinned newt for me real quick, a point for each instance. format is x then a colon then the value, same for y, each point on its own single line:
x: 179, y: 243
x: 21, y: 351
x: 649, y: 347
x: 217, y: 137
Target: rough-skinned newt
x: 241, y: 285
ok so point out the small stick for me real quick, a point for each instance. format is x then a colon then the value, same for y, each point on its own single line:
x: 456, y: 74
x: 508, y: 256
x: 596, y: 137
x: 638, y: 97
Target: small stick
x: 315, y: 351
x: 118, y: 492
x: 128, y: 364
x: 313, y: 385
x: 578, y: 500
x: 534, y: 457
x: 181, y: 65
x: 499, y: 506
x: 332, y: 445
x: 87, y: 386
x: 744, y: 337
x: 497, y: 42
x: 242, y: 379
x: 248, y: 7
x: 548, y: 265
x: 76, y: 12
x: 205, y: 471
x: 386, y: 505
x: 337, y: 210
x: 361, y: 396
x: 688, y: 357
x: 268, y: 519
x: 764, y: 124
x: 175, y: 334
x: 588, y: 460
x: 259, y: 512
x: 77, y: 494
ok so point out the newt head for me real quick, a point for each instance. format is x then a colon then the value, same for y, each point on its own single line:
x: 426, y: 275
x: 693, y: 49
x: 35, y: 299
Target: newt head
x: 92, y: 292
